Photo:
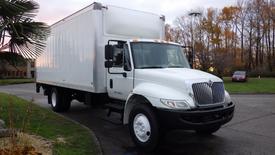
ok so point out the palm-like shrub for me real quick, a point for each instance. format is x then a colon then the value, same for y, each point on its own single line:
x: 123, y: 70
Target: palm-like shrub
x: 18, y: 30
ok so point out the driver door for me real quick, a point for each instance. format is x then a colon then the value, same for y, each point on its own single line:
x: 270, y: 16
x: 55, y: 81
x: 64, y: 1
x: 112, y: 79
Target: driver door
x: 118, y: 86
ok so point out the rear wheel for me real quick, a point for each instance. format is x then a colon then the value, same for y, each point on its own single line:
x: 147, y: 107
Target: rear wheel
x: 208, y: 131
x: 144, y: 128
x: 59, y: 100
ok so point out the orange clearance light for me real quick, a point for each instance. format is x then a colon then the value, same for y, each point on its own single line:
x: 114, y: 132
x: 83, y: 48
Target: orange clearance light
x: 135, y: 40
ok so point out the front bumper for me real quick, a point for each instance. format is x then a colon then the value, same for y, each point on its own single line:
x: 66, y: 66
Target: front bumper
x: 195, y: 119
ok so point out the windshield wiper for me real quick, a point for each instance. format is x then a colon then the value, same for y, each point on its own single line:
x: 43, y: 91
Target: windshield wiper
x: 175, y: 66
x: 152, y: 67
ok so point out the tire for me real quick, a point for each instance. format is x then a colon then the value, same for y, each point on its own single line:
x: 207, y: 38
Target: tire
x: 208, y: 131
x: 142, y: 116
x: 60, y: 102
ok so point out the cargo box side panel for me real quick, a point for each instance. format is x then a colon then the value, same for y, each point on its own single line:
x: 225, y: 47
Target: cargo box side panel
x: 70, y: 54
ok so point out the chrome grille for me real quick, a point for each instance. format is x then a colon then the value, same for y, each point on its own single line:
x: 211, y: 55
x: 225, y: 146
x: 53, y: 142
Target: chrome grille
x: 207, y: 93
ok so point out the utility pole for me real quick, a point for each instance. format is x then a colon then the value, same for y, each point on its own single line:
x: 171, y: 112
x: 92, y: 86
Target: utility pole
x: 193, y: 15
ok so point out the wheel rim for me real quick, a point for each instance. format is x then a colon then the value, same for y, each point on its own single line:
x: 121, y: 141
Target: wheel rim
x: 142, y: 128
x: 53, y: 99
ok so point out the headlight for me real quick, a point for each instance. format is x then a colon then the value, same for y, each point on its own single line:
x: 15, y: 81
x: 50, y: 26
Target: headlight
x: 227, y: 97
x: 175, y: 104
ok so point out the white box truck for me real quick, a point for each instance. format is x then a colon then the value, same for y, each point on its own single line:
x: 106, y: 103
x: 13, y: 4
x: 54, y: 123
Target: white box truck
x: 106, y: 54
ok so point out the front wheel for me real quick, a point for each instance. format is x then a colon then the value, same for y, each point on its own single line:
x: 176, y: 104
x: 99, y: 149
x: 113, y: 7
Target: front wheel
x: 144, y: 128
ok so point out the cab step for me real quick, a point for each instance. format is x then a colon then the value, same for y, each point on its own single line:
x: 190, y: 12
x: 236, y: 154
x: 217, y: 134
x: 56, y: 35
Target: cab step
x: 115, y: 107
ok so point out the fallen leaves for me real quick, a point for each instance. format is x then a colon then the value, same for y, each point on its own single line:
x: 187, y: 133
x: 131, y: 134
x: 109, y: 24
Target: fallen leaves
x: 27, y: 150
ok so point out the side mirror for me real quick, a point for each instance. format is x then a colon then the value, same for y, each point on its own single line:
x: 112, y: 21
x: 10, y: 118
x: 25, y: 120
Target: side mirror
x: 108, y: 64
x: 109, y: 49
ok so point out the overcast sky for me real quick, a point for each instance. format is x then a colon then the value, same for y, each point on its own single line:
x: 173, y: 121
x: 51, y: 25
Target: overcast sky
x: 53, y: 10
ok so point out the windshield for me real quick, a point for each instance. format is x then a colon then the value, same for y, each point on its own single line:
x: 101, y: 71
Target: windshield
x: 158, y: 55
x: 239, y: 73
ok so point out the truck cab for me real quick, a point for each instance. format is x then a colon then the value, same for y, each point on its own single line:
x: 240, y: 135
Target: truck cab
x: 158, y: 89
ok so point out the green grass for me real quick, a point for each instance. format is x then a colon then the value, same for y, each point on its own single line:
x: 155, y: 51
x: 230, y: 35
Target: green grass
x: 15, y: 81
x: 49, y: 125
x: 253, y: 85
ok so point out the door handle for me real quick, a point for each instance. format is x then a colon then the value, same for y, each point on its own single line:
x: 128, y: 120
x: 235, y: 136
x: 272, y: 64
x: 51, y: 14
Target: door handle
x: 111, y: 83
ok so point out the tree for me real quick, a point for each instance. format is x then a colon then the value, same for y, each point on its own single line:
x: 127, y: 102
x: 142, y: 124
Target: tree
x: 19, y: 31
x: 234, y: 37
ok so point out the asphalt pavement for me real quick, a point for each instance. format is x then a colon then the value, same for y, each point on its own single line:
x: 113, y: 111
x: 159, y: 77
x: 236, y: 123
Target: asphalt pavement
x: 252, y: 130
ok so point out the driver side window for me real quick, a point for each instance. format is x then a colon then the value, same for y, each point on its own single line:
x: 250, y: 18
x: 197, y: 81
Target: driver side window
x: 121, y: 57
x: 118, y: 56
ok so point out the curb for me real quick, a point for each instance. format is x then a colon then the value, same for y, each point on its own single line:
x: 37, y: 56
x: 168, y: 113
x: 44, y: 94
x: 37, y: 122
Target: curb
x: 91, y: 132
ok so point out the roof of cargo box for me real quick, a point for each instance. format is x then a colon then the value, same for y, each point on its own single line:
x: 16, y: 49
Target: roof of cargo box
x: 87, y: 7
x: 99, y: 6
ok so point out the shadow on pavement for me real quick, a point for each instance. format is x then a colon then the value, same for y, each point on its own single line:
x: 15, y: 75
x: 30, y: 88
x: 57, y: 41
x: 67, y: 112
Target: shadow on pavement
x: 183, y: 143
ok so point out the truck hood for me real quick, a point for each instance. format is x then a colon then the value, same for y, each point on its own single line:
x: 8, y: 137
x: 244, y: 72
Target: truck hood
x: 173, y: 82
x: 177, y: 74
